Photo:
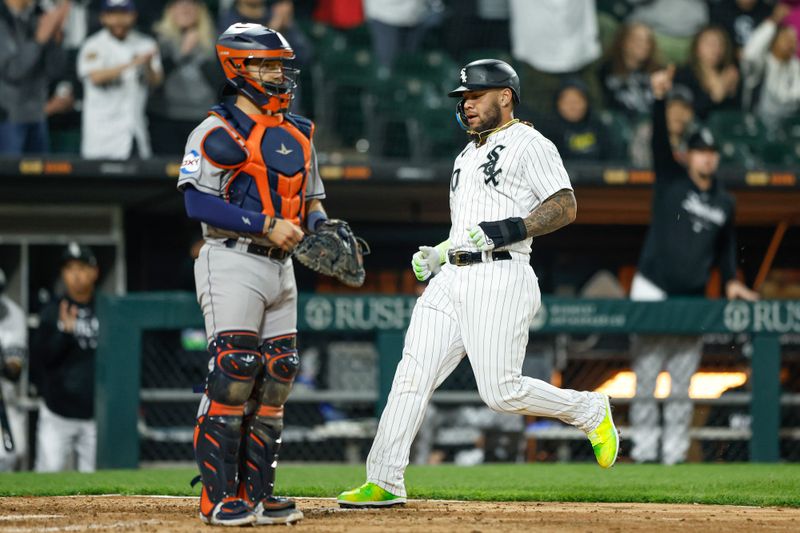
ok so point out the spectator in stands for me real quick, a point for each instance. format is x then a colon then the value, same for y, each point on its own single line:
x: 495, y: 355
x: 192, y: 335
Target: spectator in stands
x: 692, y: 229
x: 772, y: 70
x: 711, y: 73
x: 31, y: 56
x: 186, y: 38
x: 739, y: 19
x: 793, y: 18
x: 397, y: 27
x: 64, y: 353
x: 625, y: 73
x: 554, y: 39
x: 575, y: 131
x: 680, y: 118
x: 274, y: 14
x: 118, y: 65
x: 340, y: 14
x: 487, y: 18
x: 673, y: 21
x: 63, y: 107
x: 13, y: 351
x: 63, y: 117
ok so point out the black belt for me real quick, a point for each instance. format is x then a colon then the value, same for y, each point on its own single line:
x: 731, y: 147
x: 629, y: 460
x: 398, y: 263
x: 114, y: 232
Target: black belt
x: 272, y: 252
x: 464, y: 258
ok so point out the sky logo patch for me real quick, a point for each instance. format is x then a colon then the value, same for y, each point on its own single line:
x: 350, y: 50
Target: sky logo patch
x: 191, y: 163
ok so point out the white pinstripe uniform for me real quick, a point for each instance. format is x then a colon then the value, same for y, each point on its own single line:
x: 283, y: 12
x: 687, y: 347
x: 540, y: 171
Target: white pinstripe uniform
x: 482, y: 310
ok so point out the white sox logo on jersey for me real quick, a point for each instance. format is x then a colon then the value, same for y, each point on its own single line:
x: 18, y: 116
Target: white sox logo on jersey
x: 488, y: 168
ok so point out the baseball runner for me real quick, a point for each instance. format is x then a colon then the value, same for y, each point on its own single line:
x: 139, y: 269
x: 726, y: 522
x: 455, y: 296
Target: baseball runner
x: 250, y: 175
x: 508, y: 185
x: 691, y: 230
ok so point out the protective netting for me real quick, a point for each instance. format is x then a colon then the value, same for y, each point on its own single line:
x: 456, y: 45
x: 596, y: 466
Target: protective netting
x: 330, y: 415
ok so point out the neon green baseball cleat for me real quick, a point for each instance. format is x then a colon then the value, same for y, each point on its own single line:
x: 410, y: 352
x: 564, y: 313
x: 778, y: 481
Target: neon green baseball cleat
x: 369, y: 495
x: 605, y: 439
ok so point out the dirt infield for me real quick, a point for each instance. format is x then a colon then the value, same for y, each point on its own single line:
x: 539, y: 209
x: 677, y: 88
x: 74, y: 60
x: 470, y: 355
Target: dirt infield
x: 120, y: 513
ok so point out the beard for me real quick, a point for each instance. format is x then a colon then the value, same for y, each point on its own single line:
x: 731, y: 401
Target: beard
x: 492, y: 119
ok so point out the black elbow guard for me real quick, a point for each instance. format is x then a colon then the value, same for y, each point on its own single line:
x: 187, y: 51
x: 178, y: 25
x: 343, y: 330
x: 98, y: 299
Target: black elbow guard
x: 503, y: 232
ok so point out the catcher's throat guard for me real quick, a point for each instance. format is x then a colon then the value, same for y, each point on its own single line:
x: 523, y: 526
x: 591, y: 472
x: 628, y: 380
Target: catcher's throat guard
x: 334, y: 251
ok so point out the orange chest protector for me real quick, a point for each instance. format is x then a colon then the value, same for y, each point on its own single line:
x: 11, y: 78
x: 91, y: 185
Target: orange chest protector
x: 270, y: 157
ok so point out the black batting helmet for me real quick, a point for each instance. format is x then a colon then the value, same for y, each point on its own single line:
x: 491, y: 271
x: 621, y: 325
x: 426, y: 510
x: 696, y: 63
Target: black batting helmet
x: 487, y: 74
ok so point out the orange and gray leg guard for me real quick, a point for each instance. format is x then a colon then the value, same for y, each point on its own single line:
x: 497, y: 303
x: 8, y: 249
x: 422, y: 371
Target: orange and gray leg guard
x: 262, y: 432
x: 236, y: 362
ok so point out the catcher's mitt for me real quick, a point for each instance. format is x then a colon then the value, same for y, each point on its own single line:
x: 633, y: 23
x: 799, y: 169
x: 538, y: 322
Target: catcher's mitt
x: 334, y: 251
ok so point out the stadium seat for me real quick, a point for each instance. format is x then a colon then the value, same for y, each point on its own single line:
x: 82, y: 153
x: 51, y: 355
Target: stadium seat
x: 342, y: 74
x: 618, y: 9
x: 739, y: 154
x: 778, y: 153
x: 409, y: 116
x: 321, y: 35
x: 385, y: 104
x: 359, y: 36
x: 737, y: 126
x: 433, y: 130
x: 619, y: 127
x: 487, y: 53
x: 435, y: 65
x: 791, y: 127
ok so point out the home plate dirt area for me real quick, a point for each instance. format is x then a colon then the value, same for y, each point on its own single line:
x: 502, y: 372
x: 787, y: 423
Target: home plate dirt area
x: 148, y: 513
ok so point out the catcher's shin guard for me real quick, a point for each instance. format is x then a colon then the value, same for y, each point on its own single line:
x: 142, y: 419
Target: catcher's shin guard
x: 262, y: 432
x: 235, y: 364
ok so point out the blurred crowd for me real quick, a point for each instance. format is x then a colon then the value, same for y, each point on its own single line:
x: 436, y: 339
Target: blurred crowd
x: 114, y: 79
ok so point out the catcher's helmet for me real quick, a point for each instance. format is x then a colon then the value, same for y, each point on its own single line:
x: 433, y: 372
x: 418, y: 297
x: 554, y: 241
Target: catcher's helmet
x: 241, y: 42
x: 484, y: 74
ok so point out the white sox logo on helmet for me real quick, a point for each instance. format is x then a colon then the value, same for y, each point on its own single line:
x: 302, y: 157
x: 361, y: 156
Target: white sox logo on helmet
x: 463, y: 75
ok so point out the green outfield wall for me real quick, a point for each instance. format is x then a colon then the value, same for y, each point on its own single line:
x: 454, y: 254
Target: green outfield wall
x: 123, y: 319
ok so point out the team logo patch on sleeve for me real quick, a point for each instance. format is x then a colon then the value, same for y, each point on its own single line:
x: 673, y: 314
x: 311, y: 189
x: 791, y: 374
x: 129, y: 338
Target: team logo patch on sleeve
x: 191, y: 163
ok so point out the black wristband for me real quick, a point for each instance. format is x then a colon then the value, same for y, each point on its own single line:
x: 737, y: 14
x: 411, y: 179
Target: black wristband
x: 503, y: 232
x: 271, y: 226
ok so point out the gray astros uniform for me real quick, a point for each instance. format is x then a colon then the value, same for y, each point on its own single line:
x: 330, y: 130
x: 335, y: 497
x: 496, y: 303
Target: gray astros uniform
x: 239, y: 291
x: 483, y: 310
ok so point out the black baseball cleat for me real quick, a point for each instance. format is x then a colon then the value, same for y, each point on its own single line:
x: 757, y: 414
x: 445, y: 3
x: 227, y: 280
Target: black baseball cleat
x: 277, y: 510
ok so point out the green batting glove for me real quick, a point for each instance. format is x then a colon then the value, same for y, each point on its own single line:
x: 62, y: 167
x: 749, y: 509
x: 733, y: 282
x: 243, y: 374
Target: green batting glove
x: 428, y: 260
x: 479, y: 239
x: 425, y: 263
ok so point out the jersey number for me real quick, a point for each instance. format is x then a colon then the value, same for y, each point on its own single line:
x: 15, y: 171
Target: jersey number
x: 454, y: 179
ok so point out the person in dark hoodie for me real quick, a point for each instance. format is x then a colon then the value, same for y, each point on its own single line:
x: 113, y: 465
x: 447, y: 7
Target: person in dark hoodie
x: 64, y: 355
x: 31, y: 56
x: 575, y: 130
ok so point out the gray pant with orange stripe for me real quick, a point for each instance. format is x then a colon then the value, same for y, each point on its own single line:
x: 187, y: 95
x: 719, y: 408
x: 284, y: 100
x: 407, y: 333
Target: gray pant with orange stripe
x: 249, y: 304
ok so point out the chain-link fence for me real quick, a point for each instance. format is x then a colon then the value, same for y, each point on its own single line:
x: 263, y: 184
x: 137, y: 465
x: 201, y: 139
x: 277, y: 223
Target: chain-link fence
x: 331, y: 414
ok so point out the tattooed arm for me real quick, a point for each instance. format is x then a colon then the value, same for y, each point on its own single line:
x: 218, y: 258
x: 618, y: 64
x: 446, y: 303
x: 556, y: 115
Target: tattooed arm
x: 556, y: 212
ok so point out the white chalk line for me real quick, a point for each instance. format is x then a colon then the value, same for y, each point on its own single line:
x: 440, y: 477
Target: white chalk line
x: 80, y: 527
x: 30, y: 517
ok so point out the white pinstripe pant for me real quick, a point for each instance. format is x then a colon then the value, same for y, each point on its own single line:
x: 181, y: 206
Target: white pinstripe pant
x: 680, y: 356
x: 483, y: 311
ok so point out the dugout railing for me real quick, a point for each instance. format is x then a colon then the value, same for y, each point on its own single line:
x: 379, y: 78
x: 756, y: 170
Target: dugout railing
x: 124, y: 319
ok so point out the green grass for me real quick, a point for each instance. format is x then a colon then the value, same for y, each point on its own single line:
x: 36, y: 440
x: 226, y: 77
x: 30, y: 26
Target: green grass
x: 732, y: 484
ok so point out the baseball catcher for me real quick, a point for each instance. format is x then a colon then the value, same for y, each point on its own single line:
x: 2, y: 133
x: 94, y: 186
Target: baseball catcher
x: 250, y: 176
x: 334, y: 251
